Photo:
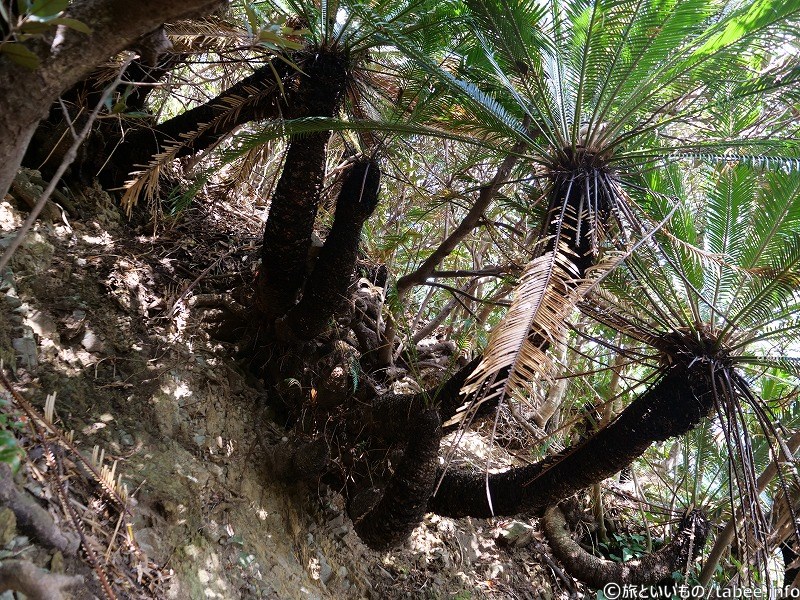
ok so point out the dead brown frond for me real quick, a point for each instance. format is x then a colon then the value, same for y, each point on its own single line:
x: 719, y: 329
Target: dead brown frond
x: 211, y: 34
x: 146, y: 183
x: 515, y: 358
x: 88, y: 504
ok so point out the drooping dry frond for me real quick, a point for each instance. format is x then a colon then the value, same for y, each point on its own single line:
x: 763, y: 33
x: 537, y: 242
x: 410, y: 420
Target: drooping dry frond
x: 516, y: 356
x: 206, y: 35
x: 146, y: 182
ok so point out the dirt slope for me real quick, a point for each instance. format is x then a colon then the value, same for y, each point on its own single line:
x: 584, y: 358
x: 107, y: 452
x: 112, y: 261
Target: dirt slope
x: 99, y: 313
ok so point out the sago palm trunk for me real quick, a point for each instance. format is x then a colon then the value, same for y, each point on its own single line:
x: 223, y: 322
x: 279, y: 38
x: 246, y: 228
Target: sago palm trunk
x: 293, y: 208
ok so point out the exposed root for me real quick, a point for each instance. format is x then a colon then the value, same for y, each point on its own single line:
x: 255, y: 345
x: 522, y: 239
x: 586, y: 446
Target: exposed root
x: 32, y: 519
x: 37, y: 584
x: 652, y: 569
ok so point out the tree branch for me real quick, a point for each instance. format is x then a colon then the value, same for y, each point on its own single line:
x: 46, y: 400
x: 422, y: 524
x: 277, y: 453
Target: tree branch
x: 26, y: 95
x: 37, y: 584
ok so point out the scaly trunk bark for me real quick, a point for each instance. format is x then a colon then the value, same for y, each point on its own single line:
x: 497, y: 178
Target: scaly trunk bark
x: 671, y: 407
x: 405, y: 498
x: 328, y: 283
x: 392, y: 416
x: 287, y: 235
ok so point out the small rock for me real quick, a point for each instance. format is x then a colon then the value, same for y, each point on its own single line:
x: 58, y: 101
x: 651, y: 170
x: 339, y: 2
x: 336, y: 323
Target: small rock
x: 341, y: 573
x: 25, y: 347
x: 8, y: 526
x: 517, y: 534
x: 126, y: 439
x: 325, y: 570
x: 6, y: 278
x: 336, y: 521
x: 12, y: 301
x: 149, y: 543
x: 42, y: 324
x: 92, y: 342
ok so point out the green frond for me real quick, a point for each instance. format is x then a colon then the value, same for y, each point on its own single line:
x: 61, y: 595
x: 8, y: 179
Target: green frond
x: 309, y: 125
x: 786, y: 364
x: 769, y: 288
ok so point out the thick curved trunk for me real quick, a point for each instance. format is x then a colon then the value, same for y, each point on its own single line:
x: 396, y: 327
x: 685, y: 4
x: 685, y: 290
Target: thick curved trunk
x: 652, y: 569
x: 328, y: 283
x: 669, y: 408
x: 405, y: 498
x: 392, y: 416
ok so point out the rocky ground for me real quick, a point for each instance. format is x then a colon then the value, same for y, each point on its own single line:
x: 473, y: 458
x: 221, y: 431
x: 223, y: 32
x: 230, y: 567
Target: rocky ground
x: 100, y: 314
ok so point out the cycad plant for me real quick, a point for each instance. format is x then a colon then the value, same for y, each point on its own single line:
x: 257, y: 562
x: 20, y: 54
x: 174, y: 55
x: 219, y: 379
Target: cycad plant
x: 720, y: 288
x: 340, y: 70
x: 609, y: 89
x: 611, y: 94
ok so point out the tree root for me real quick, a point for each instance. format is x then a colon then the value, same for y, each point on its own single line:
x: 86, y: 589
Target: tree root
x: 37, y: 584
x: 32, y: 519
x: 655, y: 568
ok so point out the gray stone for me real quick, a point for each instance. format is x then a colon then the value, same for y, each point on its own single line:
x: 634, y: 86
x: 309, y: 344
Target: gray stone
x: 325, y: 570
x: 92, y: 342
x: 26, y: 350
x: 12, y: 301
x: 6, y: 278
x: 517, y: 534
x: 150, y: 543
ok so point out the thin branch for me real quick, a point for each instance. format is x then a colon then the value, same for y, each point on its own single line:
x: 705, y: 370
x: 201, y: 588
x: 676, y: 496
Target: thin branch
x: 485, y: 197
x: 495, y: 270
x: 455, y: 291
